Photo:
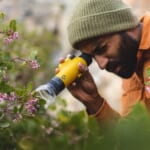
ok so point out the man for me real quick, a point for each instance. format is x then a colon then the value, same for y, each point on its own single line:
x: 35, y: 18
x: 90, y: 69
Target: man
x: 120, y: 43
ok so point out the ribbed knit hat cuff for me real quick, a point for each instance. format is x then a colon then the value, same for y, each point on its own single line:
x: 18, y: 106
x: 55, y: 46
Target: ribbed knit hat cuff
x: 100, y: 24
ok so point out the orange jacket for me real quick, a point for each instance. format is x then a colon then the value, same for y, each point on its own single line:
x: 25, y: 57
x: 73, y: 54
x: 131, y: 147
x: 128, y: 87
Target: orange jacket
x: 136, y: 88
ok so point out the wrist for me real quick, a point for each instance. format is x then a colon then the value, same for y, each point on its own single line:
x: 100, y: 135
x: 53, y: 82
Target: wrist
x: 93, y: 106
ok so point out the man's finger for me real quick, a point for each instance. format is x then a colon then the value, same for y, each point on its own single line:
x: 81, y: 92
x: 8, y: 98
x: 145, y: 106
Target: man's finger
x: 82, y: 68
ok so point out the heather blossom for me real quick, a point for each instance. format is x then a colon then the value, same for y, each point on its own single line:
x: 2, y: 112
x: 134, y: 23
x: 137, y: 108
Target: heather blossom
x: 3, y: 96
x: 14, y: 35
x: 9, y: 97
x: 18, y: 117
x: 11, y: 37
x: 12, y: 97
x: 31, y: 105
x: 34, y: 64
x: 7, y: 40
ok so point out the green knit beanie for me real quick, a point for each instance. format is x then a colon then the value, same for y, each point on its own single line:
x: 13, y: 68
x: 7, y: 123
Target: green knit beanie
x: 92, y: 18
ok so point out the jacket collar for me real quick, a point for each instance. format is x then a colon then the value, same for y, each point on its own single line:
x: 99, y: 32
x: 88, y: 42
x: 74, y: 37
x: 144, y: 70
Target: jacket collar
x: 145, y: 40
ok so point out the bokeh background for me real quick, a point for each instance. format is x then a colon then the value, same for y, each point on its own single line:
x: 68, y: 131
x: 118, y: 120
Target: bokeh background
x: 43, y: 24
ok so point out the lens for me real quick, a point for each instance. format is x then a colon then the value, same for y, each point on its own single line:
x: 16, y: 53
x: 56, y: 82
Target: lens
x: 47, y: 93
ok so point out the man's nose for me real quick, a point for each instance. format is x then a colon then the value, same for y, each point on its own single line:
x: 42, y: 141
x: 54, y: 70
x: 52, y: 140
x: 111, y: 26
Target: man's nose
x: 101, y: 61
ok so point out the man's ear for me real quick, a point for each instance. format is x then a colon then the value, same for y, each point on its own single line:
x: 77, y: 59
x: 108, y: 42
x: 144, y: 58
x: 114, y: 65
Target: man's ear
x: 131, y: 31
x: 134, y: 32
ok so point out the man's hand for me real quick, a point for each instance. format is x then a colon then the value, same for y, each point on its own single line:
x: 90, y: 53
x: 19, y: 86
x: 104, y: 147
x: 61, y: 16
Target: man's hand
x: 85, y: 90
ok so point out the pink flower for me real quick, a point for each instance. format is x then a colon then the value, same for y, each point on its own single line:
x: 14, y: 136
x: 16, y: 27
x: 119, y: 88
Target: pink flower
x: 7, y: 40
x: 34, y: 64
x: 12, y: 97
x: 3, y: 96
x: 148, y: 88
x: 11, y: 37
x: 30, y: 106
x: 17, y: 118
x: 14, y: 36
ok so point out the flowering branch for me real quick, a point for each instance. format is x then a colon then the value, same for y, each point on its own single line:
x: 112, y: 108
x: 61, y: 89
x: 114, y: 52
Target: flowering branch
x: 32, y: 63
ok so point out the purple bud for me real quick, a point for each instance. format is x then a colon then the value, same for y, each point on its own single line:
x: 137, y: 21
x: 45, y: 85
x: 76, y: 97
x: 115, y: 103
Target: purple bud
x: 12, y: 97
x: 34, y: 64
x: 7, y: 41
x: 3, y: 96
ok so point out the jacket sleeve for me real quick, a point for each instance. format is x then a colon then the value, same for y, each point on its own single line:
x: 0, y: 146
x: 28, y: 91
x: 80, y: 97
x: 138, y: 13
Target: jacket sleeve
x: 106, y: 113
x: 131, y: 95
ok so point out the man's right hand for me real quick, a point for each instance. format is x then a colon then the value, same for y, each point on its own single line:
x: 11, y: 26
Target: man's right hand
x: 85, y: 90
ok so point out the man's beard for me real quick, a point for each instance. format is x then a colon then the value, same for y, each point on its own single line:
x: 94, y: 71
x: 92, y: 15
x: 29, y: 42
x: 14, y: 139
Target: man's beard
x: 127, y: 59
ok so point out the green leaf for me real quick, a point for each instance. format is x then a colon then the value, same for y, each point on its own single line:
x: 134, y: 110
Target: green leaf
x: 12, y: 25
x: 5, y: 87
x: 2, y: 15
x: 139, y: 109
x: 15, y: 109
x: 26, y: 143
x: 4, y: 125
x: 63, y: 116
x: 1, y: 115
x: 30, y: 86
x: 148, y: 72
x: 21, y: 108
x: 33, y: 54
x: 42, y: 102
x: 52, y: 107
x: 21, y: 91
x: 62, y: 102
x: 7, y: 56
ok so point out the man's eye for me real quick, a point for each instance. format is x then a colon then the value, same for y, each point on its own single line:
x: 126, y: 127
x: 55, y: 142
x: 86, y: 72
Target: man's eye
x: 100, y: 50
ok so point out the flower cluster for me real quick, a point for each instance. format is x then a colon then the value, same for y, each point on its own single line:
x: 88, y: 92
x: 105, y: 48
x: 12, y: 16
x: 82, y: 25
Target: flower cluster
x: 12, y: 107
x: 31, y: 106
x: 12, y: 96
x: 3, y: 96
x: 34, y: 64
x: 12, y: 36
x: 9, y: 97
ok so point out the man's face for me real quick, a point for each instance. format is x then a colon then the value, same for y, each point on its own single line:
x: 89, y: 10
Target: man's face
x: 116, y: 53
